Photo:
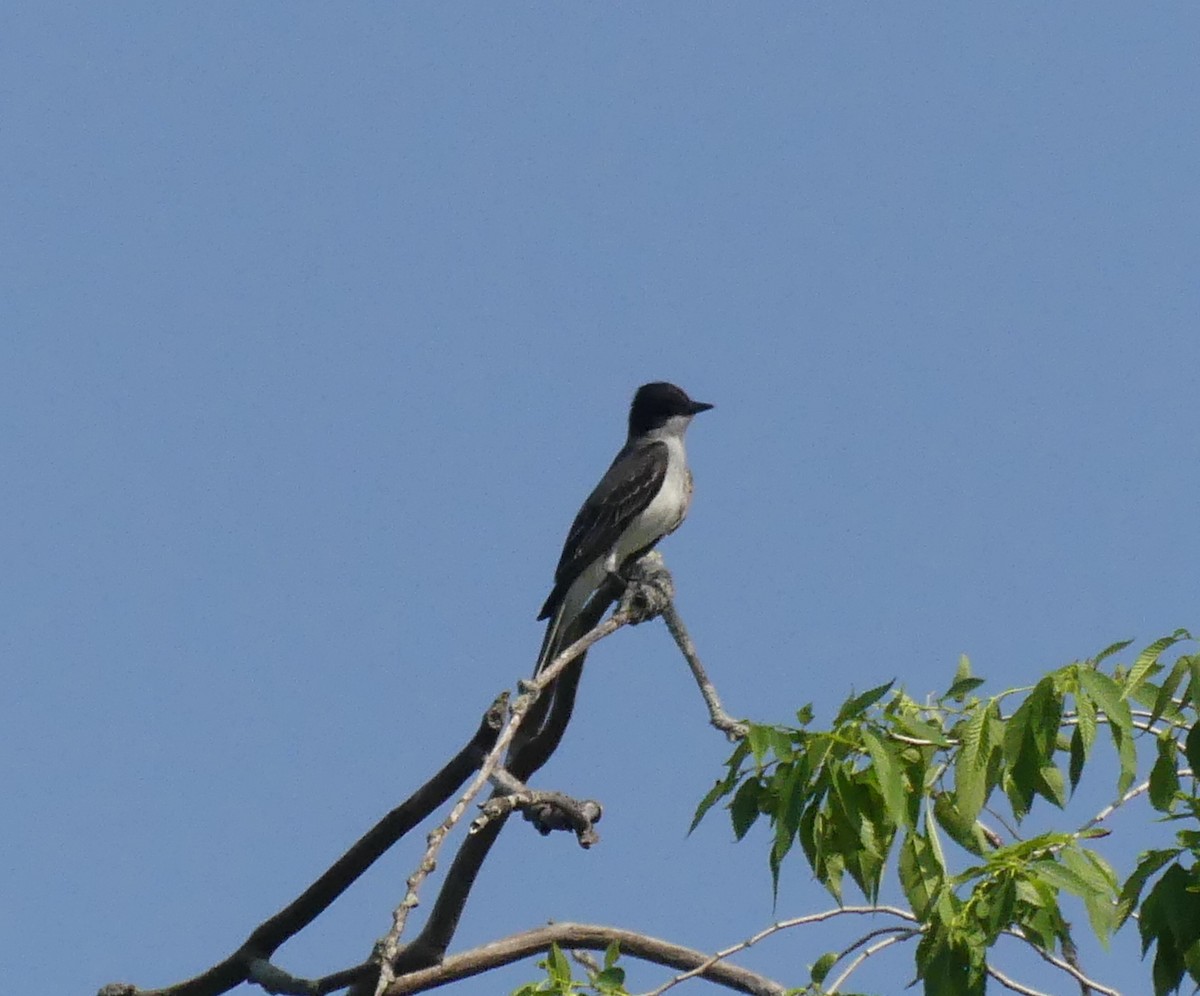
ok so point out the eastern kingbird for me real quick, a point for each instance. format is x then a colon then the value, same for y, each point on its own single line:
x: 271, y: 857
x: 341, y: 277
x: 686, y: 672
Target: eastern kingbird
x: 643, y: 497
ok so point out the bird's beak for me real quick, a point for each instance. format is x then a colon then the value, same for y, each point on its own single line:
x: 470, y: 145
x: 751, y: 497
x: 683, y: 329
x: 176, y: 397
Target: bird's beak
x: 700, y: 406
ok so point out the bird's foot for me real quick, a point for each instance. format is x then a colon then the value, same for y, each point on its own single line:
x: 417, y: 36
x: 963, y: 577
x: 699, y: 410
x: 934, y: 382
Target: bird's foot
x: 615, y: 577
x: 649, y: 588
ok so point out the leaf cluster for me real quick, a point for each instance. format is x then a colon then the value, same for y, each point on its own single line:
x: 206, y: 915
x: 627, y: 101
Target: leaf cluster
x: 896, y: 782
x: 603, y: 980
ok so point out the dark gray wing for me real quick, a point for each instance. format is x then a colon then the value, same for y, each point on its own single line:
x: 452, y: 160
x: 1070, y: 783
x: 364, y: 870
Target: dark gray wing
x: 622, y: 494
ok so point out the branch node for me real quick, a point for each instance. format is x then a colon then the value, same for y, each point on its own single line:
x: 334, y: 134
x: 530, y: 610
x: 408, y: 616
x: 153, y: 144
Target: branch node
x: 649, y: 589
x: 494, y: 717
x: 547, y: 811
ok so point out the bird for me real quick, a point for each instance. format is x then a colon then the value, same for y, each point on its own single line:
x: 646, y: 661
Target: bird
x: 643, y: 496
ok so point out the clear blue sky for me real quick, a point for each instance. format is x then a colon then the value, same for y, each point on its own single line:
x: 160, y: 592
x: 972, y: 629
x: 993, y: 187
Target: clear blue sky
x: 320, y: 320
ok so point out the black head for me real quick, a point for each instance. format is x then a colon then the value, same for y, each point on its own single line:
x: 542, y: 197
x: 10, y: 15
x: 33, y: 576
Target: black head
x: 656, y: 404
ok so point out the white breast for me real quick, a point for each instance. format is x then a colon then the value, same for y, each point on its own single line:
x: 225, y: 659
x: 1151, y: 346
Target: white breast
x: 664, y: 514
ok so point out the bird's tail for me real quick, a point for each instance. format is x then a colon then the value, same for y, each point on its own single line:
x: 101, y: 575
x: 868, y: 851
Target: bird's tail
x: 550, y: 641
x: 557, y: 629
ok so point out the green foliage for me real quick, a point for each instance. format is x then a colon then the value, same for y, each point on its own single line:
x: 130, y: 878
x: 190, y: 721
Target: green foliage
x: 606, y: 981
x: 940, y: 787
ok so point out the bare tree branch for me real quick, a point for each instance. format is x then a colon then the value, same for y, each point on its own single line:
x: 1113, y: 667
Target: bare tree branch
x: 389, y: 946
x: 590, y: 936
x: 266, y: 939
x: 774, y: 928
x: 1133, y: 793
x: 431, y: 943
x: 547, y: 811
x: 887, y: 942
x: 1066, y: 966
x: 1012, y: 984
x: 719, y: 718
x: 526, y: 757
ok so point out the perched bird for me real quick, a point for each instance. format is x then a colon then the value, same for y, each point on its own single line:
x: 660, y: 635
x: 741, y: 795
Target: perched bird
x: 643, y: 497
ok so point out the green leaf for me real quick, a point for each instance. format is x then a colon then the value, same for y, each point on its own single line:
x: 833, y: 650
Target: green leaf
x: 922, y: 877
x: 611, y: 980
x: 1017, y: 728
x: 1085, y: 711
x: 1191, y: 747
x: 789, y: 792
x: 738, y: 757
x: 807, y: 832
x: 951, y: 963
x: 744, y: 810
x: 863, y: 832
x: 964, y: 682
x: 971, y: 763
x: 888, y: 777
x: 1191, y: 694
x: 779, y: 851
x: 1107, y: 695
x: 711, y: 797
x: 558, y: 966
x: 781, y: 744
x: 1061, y: 877
x: 760, y: 739
x: 964, y: 668
x: 1147, y: 660
x: 1030, y: 742
x: 611, y: 954
x: 1148, y: 864
x: 786, y: 816
x: 1163, y: 700
x: 1127, y: 757
x: 963, y: 687
x: 1046, y: 708
x: 1078, y: 756
x: 1164, y: 777
x: 856, y: 705
x: 1050, y: 785
x: 964, y: 832
x: 1107, y: 652
x: 725, y: 785
x: 1170, y: 920
x: 1019, y: 787
x: 823, y: 965
x: 1102, y: 881
x: 935, y: 840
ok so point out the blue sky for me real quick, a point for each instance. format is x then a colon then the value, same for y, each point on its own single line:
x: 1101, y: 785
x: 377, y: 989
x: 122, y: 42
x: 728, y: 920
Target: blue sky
x: 320, y: 321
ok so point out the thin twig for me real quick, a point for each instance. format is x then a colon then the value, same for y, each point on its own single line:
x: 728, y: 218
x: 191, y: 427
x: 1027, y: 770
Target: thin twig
x: 719, y: 718
x: 871, y: 935
x: 586, y: 959
x: 1061, y: 964
x: 1013, y: 984
x: 774, y: 928
x: 1133, y: 793
x: 430, y: 945
x: 904, y: 738
x: 1072, y: 719
x: 887, y: 942
x: 389, y: 945
x: 1012, y: 831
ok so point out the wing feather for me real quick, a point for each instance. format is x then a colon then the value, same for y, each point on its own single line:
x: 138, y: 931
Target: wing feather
x: 625, y: 491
